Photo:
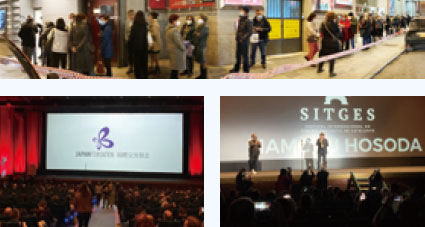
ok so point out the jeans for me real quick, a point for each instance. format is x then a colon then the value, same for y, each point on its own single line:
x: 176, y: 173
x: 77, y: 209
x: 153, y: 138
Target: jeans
x: 30, y: 53
x: 319, y: 160
x: 262, y: 45
x: 242, y: 52
x: 353, y: 42
x: 253, y: 163
x: 367, y: 39
x: 107, y: 62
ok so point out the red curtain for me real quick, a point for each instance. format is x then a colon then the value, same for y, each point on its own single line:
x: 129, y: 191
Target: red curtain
x: 34, y: 138
x: 19, y: 144
x: 6, y: 140
x: 196, y: 144
x: 20, y: 141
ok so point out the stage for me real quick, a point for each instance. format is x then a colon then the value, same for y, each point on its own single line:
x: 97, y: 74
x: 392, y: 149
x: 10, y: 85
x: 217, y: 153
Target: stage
x: 337, y: 177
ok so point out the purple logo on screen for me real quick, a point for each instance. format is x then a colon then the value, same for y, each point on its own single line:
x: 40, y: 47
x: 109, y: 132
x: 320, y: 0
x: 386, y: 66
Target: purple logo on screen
x: 101, y: 140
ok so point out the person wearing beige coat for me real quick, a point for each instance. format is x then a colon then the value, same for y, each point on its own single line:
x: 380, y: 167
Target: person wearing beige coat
x: 155, y: 31
x: 175, y: 46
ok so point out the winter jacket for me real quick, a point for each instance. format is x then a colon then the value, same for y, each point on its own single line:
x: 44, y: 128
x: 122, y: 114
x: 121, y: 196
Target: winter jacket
x: 265, y: 25
x: 176, y: 48
x: 106, y: 41
x: 244, y: 31
x: 27, y: 34
x: 330, y: 44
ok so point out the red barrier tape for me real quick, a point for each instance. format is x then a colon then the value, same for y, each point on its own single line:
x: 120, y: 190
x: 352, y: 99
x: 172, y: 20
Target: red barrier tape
x: 291, y: 67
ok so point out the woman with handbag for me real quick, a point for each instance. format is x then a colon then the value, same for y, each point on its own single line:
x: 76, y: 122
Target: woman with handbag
x: 330, y: 41
x: 187, y: 31
x: 312, y: 37
x: 59, y: 38
x: 155, y: 31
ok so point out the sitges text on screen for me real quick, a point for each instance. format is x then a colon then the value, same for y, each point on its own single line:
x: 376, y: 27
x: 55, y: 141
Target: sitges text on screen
x: 342, y: 114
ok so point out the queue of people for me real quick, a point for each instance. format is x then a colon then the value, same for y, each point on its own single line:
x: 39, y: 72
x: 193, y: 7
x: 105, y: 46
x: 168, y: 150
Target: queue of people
x: 71, y: 46
x: 339, y: 33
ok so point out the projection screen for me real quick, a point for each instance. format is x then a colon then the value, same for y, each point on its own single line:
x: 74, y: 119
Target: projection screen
x: 126, y: 142
x: 355, y: 126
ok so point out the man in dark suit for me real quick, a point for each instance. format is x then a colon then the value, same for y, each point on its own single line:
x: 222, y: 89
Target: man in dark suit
x: 322, y: 150
x: 254, y: 153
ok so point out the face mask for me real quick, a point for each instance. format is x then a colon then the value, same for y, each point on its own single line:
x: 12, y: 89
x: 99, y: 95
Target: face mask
x: 188, y: 22
x: 242, y: 14
x: 259, y: 17
x: 178, y: 23
x: 200, y: 21
x: 102, y: 22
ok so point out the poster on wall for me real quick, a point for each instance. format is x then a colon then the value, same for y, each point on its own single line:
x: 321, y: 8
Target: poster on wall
x: 324, y: 5
x: 244, y: 2
x: 276, y: 32
x: 2, y: 21
x: 291, y: 28
x: 344, y: 2
x: 157, y: 4
x: 181, y: 4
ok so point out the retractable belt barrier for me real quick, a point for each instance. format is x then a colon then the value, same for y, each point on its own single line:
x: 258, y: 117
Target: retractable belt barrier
x: 63, y: 74
x: 291, y: 67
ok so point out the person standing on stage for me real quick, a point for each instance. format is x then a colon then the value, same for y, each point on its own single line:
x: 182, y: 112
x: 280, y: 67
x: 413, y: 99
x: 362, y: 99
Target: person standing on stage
x: 254, y: 153
x: 322, y: 145
x: 308, y: 148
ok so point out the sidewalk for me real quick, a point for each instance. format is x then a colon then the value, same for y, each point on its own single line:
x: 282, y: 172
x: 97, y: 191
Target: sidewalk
x: 361, y: 65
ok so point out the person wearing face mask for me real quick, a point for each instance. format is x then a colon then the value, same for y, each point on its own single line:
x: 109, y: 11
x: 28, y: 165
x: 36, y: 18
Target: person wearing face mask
x: 345, y: 25
x: 106, y: 43
x: 354, y: 25
x: 312, y: 37
x: 261, y: 26
x: 187, y: 31
x: 243, y: 35
x: 200, y: 38
x: 82, y: 46
x: 175, y: 45
x: 155, y: 30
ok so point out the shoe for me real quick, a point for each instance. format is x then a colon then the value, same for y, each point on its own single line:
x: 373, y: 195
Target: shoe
x: 264, y: 66
x: 306, y: 58
x: 233, y: 71
x: 319, y: 70
x: 130, y: 71
x: 314, y: 65
x: 184, y: 72
x: 332, y: 74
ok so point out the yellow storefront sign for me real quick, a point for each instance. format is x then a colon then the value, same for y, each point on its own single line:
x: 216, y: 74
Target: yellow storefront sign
x: 291, y: 28
x: 276, y: 32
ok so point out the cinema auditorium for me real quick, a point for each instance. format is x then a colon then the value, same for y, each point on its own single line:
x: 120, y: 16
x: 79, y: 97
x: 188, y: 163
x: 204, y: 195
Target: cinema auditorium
x: 334, y: 161
x: 101, y: 161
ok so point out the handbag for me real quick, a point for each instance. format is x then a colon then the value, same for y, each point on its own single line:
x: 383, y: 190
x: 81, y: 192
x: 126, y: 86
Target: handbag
x: 312, y: 38
x: 255, y: 38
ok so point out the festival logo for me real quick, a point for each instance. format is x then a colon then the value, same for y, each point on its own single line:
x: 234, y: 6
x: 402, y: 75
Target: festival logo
x: 101, y: 140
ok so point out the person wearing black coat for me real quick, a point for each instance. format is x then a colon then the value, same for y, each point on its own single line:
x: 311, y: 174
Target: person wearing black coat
x: 365, y: 29
x: 27, y: 34
x: 330, y: 41
x: 243, y: 35
x: 262, y: 27
x: 139, y: 44
x: 187, y: 32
